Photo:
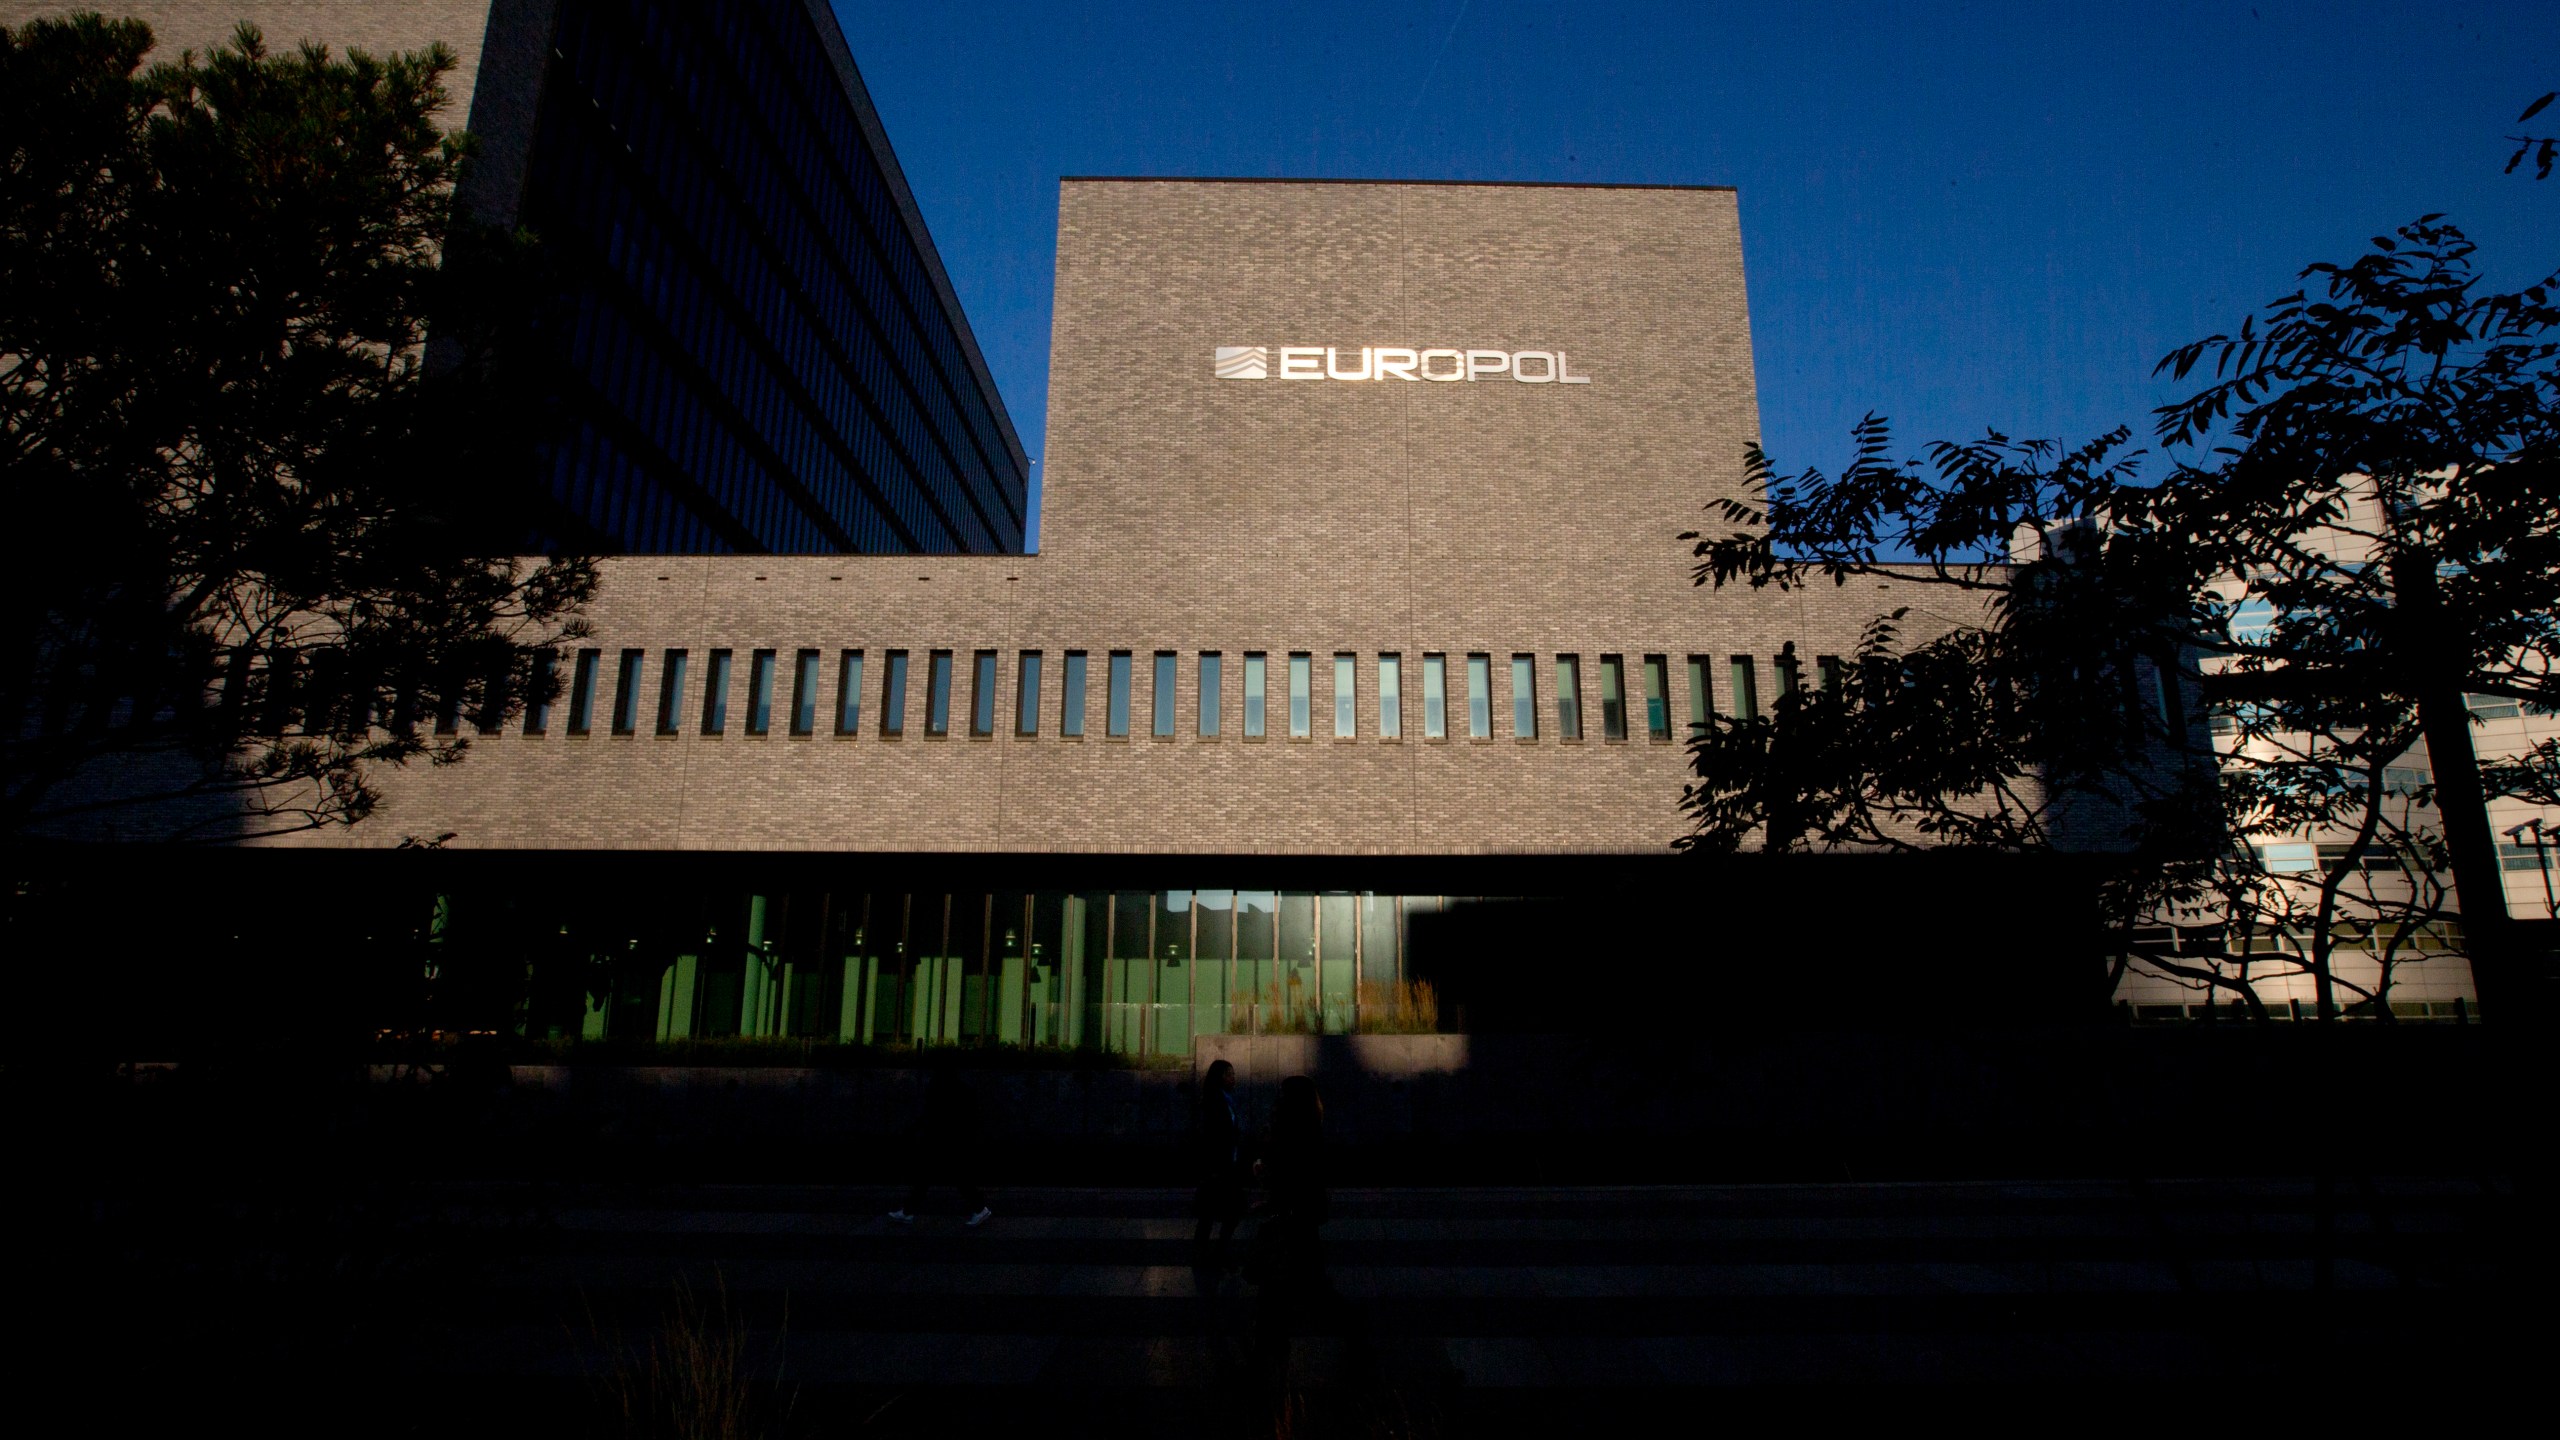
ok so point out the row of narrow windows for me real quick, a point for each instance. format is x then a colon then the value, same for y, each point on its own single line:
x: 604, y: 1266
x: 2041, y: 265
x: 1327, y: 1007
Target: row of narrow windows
x: 808, y: 690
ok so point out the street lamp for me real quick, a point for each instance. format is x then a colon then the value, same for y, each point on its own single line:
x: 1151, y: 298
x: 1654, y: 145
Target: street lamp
x: 2542, y: 841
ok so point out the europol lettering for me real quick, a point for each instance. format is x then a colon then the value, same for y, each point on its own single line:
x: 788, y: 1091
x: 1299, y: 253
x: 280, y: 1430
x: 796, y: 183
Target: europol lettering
x: 1396, y: 362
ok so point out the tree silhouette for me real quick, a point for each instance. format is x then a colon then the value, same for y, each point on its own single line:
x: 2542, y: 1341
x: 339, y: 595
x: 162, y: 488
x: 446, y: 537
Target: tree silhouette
x: 263, y: 523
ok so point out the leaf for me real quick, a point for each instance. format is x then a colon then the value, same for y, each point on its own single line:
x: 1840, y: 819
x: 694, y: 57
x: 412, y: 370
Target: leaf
x: 2536, y: 107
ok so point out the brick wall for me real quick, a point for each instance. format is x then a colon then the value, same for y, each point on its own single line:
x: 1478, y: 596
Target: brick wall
x: 1186, y: 513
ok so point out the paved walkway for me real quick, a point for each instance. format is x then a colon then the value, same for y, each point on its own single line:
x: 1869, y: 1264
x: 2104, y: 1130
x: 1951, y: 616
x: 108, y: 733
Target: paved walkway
x: 1472, y: 1296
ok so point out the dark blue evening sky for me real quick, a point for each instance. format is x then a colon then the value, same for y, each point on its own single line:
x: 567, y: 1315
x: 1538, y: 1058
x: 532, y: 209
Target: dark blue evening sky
x: 1959, y: 215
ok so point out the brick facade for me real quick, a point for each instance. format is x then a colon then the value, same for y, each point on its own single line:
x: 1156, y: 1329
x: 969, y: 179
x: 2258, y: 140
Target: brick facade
x: 1188, y: 513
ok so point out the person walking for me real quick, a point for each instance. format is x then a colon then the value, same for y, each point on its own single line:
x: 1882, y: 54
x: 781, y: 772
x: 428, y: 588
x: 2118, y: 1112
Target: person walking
x: 1288, y: 1248
x: 945, y: 1147
x: 1218, y: 1156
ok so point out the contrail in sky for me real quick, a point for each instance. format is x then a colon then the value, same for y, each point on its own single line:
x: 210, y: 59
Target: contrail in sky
x: 1416, y: 107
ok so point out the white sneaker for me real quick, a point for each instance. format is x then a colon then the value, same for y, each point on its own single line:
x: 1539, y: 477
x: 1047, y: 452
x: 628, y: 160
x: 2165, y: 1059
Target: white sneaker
x: 985, y: 1214
x: 901, y: 1217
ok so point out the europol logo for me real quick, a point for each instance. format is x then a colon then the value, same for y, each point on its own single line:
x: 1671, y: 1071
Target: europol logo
x: 1396, y: 362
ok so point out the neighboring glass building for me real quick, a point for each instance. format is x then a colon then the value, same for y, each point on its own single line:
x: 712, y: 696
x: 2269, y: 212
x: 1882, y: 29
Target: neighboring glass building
x: 769, y: 359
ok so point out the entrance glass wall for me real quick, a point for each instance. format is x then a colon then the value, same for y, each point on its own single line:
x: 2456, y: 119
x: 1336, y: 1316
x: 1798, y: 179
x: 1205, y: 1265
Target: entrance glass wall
x: 1136, y: 972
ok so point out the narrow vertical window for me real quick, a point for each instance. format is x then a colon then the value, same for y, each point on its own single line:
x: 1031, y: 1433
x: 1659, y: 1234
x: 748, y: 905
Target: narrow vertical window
x: 937, y: 694
x: 1301, y: 721
x: 1613, y: 698
x: 1254, y: 682
x: 1568, y: 697
x: 760, y: 692
x: 805, y: 679
x: 1071, y: 696
x: 893, y: 693
x: 1026, y: 694
x: 1479, y: 697
x: 1390, y: 697
x: 1160, y: 695
x: 1826, y: 670
x: 1657, y: 698
x: 715, y: 693
x: 1212, y: 667
x: 582, y: 691
x: 537, y: 702
x: 982, y: 693
x: 1524, y: 697
x: 1790, y: 672
x: 1115, y: 715
x: 849, y: 693
x: 1435, y: 697
x: 1746, y: 688
x: 670, y: 692
x: 1701, y: 702
x: 1346, y: 696
x: 626, y: 692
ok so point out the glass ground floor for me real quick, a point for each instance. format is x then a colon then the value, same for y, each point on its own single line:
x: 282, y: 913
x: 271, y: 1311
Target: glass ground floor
x: 1127, y: 971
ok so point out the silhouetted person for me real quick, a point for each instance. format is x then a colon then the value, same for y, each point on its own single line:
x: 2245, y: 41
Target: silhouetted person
x: 945, y: 1147
x: 1288, y: 1249
x: 1218, y: 1154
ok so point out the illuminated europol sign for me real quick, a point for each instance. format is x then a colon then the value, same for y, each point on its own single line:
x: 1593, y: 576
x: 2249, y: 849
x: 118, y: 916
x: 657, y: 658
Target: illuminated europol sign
x: 1395, y: 362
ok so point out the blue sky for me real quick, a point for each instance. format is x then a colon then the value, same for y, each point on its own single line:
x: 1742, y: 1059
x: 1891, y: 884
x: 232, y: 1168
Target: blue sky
x: 1961, y: 216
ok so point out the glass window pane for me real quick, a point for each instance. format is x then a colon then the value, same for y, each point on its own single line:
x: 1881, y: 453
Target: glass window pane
x: 1209, y: 694
x: 1391, y: 697
x: 1116, y: 713
x: 849, y: 693
x: 671, y: 692
x: 760, y: 692
x: 804, y: 694
x: 1300, y: 681
x: 715, y: 693
x: 1161, y: 694
x: 1827, y: 672
x: 1524, y: 696
x: 1613, y: 698
x: 982, y: 693
x: 1746, y: 688
x: 1790, y: 674
x: 582, y: 691
x: 1435, y: 697
x: 1657, y: 698
x: 1026, y: 694
x: 1378, y: 965
x: 1213, y: 918
x: 1254, y: 912
x: 1346, y: 712
x: 937, y: 693
x: 893, y: 693
x: 1568, y: 697
x: 1479, y: 697
x: 1253, y: 694
x: 1700, y: 702
x: 537, y: 704
x: 626, y: 692
x: 1071, y: 695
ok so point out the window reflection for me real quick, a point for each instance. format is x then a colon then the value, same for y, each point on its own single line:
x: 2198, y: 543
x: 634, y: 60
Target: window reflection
x: 849, y: 693
x: 1435, y: 697
x: 1211, y: 691
x: 893, y: 693
x: 1346, y: 712
x: 804, y: 693
x: 1657, y: 698
x: 982, y: 693
x: 1613, y: 698
x: 1026, y: 694
x: 937, y: 694
x: 1524, y: 697
x: 1479, y: 697
x: 1568, y: 697
x: 1162, y: 695
x: 1071, y: 695
x: 1116, y: 700
x: 1391, y: 697
x: 715, y: 693
x: 760, y: 692
x: 1253, y: 694
x: 1300, y: 721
